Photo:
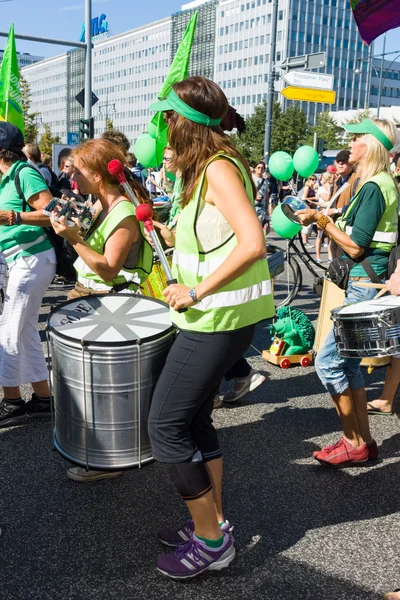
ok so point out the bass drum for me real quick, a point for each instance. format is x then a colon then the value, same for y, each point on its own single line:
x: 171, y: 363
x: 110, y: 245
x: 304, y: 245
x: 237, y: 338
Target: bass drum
x: 107, y: 352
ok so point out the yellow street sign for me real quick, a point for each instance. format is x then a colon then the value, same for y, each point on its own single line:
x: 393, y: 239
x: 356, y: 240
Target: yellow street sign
x: 309, y: 95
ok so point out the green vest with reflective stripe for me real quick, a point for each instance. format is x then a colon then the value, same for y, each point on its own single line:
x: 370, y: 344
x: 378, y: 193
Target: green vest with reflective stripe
x: 97, y: 240
x: 385, y: 236
x: 245, y: 301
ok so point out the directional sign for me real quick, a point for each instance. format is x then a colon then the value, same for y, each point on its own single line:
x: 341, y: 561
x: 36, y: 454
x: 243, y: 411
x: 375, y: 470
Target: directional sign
x: 305, y: 79
x: 316, y: 60
x: 309, y: 95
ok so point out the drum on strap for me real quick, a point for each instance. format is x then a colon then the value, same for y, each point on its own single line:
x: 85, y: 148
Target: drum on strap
x: 107, y: 353
x: 370, y: 328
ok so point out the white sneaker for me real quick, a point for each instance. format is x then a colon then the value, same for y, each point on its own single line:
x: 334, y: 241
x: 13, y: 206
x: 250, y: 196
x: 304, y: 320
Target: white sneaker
x: 80, y: 474
x: 244, y: 385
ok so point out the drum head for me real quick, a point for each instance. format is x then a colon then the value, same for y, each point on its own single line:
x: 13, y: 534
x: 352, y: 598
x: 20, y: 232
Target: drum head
x: 368, y: 307
x: 112, y: 319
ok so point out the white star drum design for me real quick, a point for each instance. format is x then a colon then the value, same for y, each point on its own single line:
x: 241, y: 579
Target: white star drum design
x: 107, y: 352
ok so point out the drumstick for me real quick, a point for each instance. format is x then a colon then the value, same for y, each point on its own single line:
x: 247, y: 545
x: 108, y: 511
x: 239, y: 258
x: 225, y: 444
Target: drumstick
x: 144, y: 214
x: 116, y: 168
x: 379, y: 294
x: 378, y: 286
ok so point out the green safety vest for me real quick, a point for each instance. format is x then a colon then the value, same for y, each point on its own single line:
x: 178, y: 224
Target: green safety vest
x: 97, y: 240
x: 386, y: 233
x: 245, y: 301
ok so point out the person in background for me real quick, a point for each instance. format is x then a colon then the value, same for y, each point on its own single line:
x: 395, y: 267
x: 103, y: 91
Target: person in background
x: 323, y: 196
x: 118, y: 138
x: 397, y: 169
x: 33, y: 154
x: 331, y: 169
x: 273, y: 192
x: 309, y: 193
x: 31, y: 262
x: 68, y: 170
x: 345, y: 174
x: 262, y: 198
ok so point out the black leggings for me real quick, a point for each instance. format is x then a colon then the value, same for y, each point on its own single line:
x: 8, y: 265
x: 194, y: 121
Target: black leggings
x: 180, y: 425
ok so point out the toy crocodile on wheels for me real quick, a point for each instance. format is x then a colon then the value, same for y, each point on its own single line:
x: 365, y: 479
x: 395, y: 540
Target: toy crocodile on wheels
x: 295, y: 329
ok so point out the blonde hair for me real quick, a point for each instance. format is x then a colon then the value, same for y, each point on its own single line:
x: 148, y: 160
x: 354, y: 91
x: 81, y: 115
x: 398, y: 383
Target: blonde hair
x: 325, y: 177
x: 377, y: 157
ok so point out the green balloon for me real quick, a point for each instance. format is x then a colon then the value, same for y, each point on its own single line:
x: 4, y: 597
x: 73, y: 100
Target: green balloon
x: 152, y: 129
x: 306, y: 161
x: 281, y: 166
x: 145, y: 151
x: 282, y: 225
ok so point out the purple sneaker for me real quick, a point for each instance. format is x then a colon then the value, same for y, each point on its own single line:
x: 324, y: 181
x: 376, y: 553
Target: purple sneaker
x: 195, y: 557
x: 176, y: 537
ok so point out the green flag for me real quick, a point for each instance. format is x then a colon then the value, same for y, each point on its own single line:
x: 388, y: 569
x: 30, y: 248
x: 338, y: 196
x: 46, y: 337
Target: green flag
x: 10, y: 93
x: 178, y: 71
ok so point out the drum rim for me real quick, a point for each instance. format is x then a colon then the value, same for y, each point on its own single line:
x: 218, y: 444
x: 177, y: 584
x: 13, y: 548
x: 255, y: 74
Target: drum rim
x: 119, y: 344
x: 360, y: 315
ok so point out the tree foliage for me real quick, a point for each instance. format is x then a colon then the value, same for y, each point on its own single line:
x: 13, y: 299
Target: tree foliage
x: 109, y: 124
x: 288, y: 131
x: 30, y: 118
x: 47, y: 140
x: 327, y: 129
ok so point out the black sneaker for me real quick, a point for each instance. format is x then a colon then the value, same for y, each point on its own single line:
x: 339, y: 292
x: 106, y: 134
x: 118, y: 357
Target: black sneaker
x: 12, y: 413
x: 37, y: 408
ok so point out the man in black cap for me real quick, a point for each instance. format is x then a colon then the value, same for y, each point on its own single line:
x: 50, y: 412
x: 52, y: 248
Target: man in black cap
x: 345, y: 173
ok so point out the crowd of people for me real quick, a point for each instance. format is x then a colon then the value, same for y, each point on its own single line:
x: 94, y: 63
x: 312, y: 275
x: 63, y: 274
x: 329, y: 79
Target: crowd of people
x: 218, y: 208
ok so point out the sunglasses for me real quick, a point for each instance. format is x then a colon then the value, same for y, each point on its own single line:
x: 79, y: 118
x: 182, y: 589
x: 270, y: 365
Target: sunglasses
x: 166, y: 158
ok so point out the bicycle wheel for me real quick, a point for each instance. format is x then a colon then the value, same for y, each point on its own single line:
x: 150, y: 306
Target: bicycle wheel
x: 287, y: 276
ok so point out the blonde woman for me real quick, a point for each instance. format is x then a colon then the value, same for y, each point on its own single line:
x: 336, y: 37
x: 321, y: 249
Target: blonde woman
x: 367, y: 230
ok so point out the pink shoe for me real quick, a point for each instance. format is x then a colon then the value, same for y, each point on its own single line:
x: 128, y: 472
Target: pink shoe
x: 342, y: 453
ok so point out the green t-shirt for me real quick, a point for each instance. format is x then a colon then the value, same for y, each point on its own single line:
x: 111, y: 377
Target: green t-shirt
x: 364, y: 218
x: 21, y: 240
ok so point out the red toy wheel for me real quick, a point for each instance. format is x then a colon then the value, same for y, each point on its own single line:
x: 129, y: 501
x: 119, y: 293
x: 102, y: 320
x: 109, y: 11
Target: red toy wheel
x: 305, y: 361
x: 285, y: 363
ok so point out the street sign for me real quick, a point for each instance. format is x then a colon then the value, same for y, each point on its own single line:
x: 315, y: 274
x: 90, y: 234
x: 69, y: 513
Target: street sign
x: 309, y: 95
x: 304, y: 61
x: 81, y: 98
x: 305, y: 79
x: 72, y: 138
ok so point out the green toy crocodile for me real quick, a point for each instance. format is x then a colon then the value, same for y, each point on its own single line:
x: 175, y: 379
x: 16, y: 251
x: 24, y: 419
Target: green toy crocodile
x: 295, y: 329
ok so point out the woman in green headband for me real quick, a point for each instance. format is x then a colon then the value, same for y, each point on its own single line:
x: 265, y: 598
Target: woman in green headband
x: 364, y: 236
x: 224, y: 285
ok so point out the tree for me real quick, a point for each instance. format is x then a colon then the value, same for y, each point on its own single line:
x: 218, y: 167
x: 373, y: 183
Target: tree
x: 291, y: 131
x: 109, y: 125
x: 327, y: 129
x: 47, y: 140
x: 251, y: 142
x: 30, y: 118
x: 360, y: 116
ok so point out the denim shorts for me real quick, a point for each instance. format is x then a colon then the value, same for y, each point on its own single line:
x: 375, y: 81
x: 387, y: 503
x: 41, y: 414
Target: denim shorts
x: 336, y: 372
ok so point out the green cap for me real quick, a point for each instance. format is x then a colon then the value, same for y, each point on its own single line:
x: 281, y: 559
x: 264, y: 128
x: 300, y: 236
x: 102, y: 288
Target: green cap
x: 368, y: 126
x: 173, y: 102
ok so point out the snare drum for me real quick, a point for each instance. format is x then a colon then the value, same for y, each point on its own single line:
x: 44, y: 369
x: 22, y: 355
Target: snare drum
x: 370, y: 328
x: 107, y: 352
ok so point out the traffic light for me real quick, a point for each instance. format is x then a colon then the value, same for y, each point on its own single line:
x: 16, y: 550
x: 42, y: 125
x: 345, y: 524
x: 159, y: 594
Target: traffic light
x: 86, y: 129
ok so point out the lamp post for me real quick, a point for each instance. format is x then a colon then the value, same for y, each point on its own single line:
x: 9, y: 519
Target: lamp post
x: 107, y: 109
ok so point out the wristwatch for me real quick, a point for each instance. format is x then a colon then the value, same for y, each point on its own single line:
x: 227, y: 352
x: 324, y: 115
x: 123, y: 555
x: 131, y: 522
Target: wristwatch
x: 193, y: 295
x: 18, y: 220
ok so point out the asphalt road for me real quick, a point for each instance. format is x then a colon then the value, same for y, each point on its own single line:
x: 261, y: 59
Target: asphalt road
x: 303, y: 531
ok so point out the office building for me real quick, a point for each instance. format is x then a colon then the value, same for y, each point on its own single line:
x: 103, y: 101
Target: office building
x: 24, y: 59
x: 231, y: 46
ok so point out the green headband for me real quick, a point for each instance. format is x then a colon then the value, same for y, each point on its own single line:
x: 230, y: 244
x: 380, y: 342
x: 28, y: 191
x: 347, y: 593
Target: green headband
x: 368, y: 126
x: 173, y: 102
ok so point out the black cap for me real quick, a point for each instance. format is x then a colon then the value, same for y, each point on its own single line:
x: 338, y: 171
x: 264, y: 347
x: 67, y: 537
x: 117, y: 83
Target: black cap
x: 11, y: 137
x: 343, y: 156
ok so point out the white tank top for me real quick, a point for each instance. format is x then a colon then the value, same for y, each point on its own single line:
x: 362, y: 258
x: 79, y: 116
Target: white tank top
x: 212, y: 229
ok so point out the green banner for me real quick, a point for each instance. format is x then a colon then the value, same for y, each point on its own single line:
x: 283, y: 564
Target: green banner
x: 10, y: 92
x: 178, y: 71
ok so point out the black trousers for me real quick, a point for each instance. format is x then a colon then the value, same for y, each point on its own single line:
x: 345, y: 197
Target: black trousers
x: 180, y: 423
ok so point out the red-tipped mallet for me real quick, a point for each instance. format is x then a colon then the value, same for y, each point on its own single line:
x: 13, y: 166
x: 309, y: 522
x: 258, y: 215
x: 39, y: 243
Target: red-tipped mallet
x: 116, y: 169
x: 144, y: 214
